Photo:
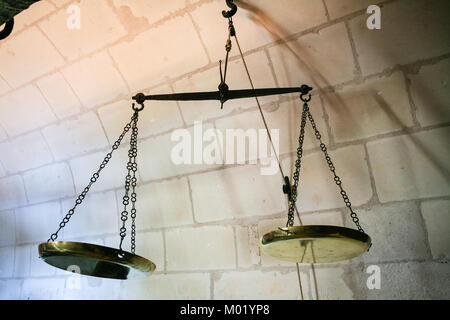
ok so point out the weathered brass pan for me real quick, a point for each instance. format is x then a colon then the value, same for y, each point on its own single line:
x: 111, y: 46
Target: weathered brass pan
x: 315, y: 244
x: 94, y: 260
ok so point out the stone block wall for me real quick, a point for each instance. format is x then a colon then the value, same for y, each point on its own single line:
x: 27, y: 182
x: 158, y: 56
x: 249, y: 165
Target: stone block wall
x: 381, y: 101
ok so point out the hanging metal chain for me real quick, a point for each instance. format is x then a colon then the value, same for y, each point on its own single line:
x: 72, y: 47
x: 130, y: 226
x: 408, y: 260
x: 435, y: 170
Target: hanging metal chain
x: 298, y: 163
x: 337, y: 179
x: 130, y: 181
x: 133, y: 190
x: 94, y: 177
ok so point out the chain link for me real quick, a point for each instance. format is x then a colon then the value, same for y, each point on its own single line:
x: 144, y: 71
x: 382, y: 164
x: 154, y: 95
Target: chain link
x: 93, y: 179
x: 133, y: 192
x: 336, y: 178
x: 130, y: 181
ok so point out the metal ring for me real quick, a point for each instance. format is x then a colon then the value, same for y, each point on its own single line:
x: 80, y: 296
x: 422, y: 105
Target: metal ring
x: 137, y: 109
x: 302, y: 97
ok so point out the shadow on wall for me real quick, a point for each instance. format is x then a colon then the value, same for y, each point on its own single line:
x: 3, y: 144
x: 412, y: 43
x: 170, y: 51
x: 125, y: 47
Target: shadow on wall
x: 437, y: 107
x: 419, y: 144
x: 279, y: 34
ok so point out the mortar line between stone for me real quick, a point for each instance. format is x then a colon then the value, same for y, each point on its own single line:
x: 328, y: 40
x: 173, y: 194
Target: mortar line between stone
x: 197, y: 31
x: 419, y: 204
x: 371, y: 176
x: 327, y: 13
x: 283, y: 156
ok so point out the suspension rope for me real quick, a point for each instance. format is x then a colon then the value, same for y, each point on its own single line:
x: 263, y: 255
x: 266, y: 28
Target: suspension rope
x: 277, y: 158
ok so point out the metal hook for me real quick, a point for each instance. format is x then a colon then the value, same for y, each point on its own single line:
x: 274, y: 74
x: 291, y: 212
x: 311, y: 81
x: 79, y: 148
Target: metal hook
x: 305, y: 99
x: 232, y: 12
x: 9, y: 25
x: 133, y: 106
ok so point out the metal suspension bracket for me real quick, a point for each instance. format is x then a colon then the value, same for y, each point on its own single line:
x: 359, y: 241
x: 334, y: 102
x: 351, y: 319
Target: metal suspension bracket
x: 223, y: 87
x: 305, y: 90
x: 139, y: 98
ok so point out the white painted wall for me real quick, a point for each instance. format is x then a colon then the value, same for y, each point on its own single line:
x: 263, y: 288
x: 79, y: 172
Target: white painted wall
x: 383, y: 109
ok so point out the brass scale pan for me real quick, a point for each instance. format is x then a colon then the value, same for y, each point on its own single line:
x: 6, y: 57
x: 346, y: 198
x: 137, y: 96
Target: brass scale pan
x: 315, y: 244
x: 95, y: 260
x: 302, y: 244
